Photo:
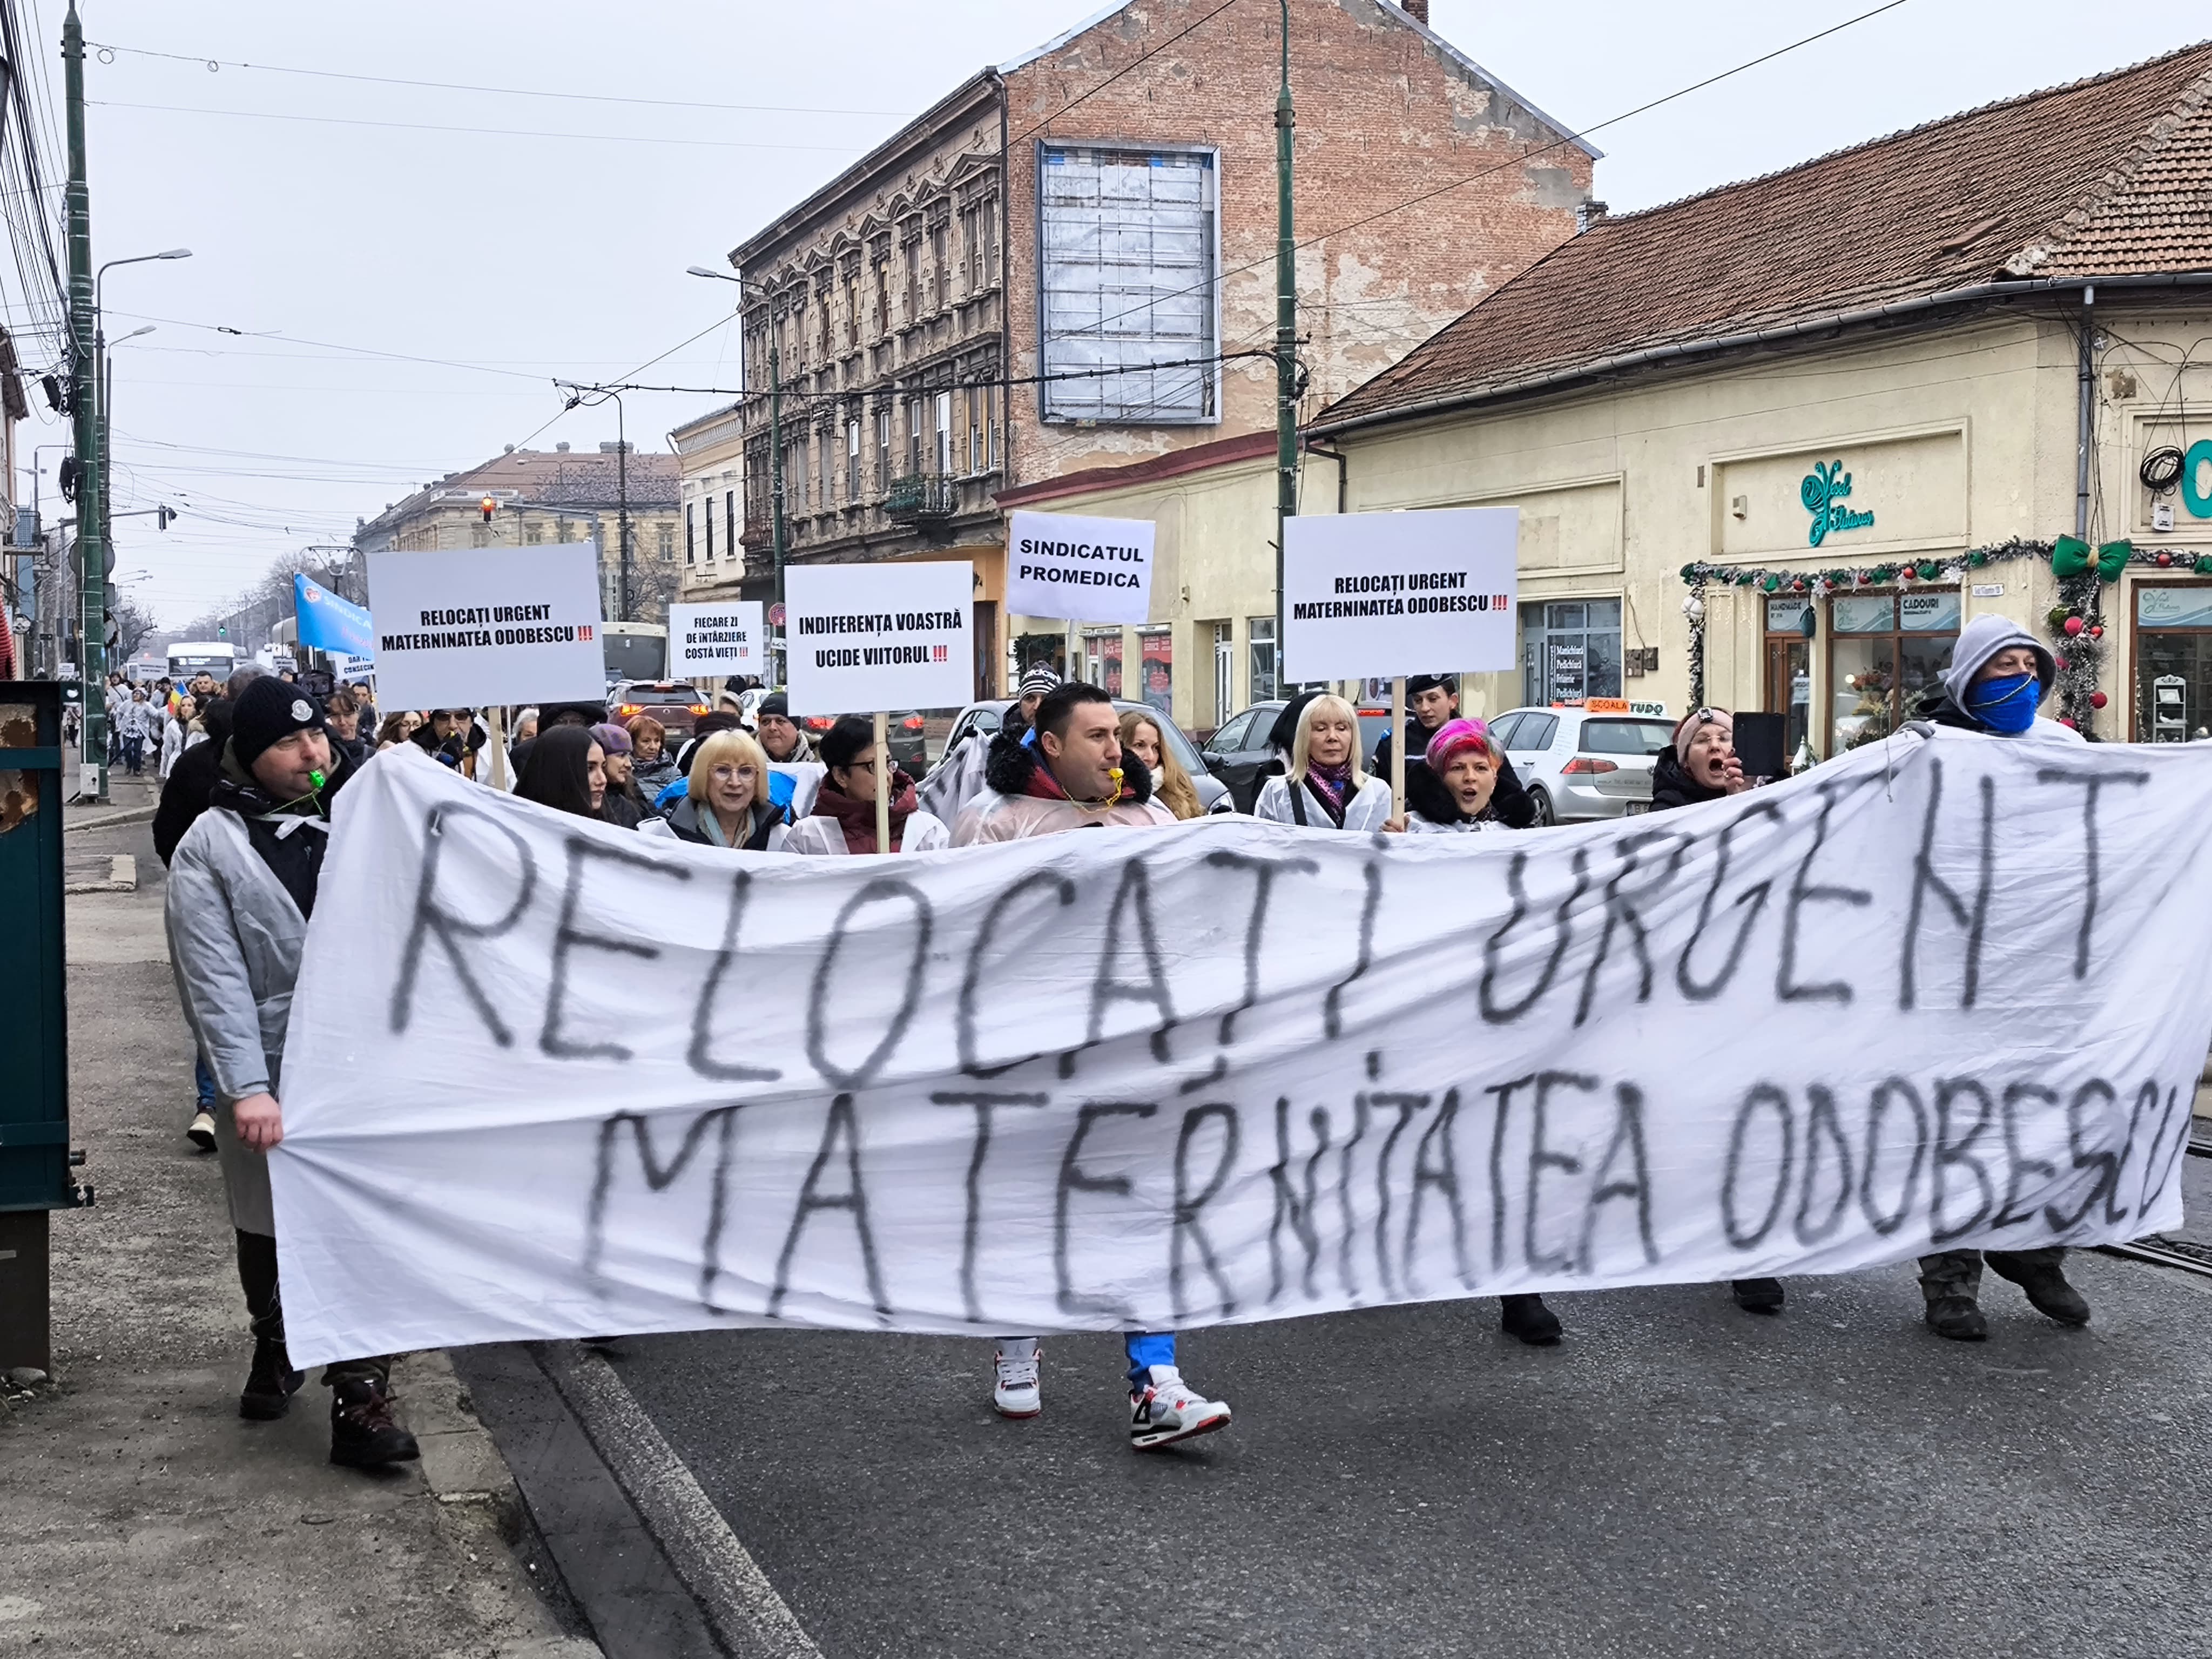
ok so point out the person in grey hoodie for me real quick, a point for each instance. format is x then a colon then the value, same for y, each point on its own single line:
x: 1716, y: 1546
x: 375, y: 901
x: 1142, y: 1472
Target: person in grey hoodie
x: 241, y: 887
x: 1998, y: 674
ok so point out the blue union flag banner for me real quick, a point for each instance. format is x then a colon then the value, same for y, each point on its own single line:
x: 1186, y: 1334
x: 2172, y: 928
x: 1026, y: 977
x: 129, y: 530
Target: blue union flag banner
x: 1946, y: 991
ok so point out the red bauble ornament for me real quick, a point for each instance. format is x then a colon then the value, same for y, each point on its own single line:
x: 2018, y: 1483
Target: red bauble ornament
x: 2097, y: 632
x: 1797, y: 586
x: 2069, y: 724
x: 2063, y: 664
x: 2074, y: 624
x: 2098, y: 700
x: 2165, y: 561
x: 1905, y: 576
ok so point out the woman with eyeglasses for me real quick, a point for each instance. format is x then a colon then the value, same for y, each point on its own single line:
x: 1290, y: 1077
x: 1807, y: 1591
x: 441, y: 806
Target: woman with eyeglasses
x: 725, y: 800
x: 844, y: 816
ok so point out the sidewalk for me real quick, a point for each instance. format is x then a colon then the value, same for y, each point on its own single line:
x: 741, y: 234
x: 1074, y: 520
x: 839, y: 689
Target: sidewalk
x: 138, y: 1513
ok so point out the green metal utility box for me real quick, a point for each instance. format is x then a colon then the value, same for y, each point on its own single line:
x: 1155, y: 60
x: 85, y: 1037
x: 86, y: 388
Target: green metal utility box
x: 36, y: 1165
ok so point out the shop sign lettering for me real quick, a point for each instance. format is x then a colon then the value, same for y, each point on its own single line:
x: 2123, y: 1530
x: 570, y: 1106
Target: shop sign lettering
x: 1822, y: 492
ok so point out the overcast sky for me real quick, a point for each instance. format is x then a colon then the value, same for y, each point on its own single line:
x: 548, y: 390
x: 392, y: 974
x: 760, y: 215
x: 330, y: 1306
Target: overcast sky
x: 558, y: 246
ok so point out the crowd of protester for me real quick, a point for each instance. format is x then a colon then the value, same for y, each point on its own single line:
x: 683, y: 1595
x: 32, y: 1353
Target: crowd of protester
x: 251, y: 768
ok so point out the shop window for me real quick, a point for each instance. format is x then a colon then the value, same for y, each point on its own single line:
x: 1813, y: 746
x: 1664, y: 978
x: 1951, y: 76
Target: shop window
x: 1789, y: 670
x: 2173, y: 664
x: 1885, y: 651
x: 1261, y: 630
x: 1156, y: 650
x: 1570, y: 651
x: 1102, y: 661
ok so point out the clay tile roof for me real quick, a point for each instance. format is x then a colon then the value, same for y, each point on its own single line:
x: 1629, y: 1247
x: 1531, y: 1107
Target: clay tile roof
x: 2106, y: 176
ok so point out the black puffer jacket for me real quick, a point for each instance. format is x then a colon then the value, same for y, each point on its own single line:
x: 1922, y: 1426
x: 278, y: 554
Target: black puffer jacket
x: 1009, y: 764
x: 1426, y: 793
x: 683, y: 821
x: 294, y: 857
x: 191, y: 779
x: 1672, y: 785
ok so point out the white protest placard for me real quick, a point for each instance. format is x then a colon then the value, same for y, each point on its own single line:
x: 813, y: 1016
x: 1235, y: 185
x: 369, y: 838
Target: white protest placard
x: 470, y: 626
x: 864, y: 638
x: 1939, y: 993
x: 730, y: 638
x: 1383, y: 594
x: 1080, y: 570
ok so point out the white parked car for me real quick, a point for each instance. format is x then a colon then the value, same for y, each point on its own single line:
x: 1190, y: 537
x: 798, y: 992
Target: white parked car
x: 1578, y: 764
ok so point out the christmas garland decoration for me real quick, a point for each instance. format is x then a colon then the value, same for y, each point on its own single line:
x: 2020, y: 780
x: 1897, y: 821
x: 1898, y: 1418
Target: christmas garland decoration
x: 2075, y: 623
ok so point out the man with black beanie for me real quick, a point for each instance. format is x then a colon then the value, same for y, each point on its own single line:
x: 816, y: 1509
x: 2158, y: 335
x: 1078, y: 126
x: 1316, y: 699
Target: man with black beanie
x: 241, y: 887
x: 781, y: 737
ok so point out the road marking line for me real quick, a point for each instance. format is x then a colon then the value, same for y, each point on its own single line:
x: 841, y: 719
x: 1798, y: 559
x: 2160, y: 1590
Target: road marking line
x: 736, y: 1595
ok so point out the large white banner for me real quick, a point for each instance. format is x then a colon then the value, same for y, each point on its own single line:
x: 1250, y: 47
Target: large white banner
x: 547, y: 1078
x: 863, y: 637
x: 488, y: 624
x: 1078, y: 569
x: 729, y: 638
x: 1369, y: 594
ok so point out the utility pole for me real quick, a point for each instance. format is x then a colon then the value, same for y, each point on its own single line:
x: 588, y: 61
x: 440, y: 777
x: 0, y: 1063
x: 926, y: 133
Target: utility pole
x: 1286, y: 343
x: 775, y: 487
x: 621, y: 502
x: 84, y: 408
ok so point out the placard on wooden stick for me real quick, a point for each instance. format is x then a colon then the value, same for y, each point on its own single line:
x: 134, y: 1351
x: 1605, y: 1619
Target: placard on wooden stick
x: 1371, y: 595
x: 864, y: 639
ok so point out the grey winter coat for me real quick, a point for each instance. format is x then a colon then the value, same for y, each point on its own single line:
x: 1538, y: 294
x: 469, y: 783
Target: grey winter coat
x: 235, y: 942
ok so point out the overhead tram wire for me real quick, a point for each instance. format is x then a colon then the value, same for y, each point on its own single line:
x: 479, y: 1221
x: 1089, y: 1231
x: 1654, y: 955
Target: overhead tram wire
x: 490, y: 132
x: 214, y: 63
x: 847, y: 396
x: 1511, y: 163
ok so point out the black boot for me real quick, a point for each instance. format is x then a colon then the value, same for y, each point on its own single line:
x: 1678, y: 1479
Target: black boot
x: 2046, y: 1287
x: 363, y: 1435
x: 1526, y: 1317
x: 1759, y: 1296
x: 271, y: 1383
x: 1959, y: 1317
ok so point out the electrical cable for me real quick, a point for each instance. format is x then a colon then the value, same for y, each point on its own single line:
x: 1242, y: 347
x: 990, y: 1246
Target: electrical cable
x: 491, y: 132
x: 214, y: 64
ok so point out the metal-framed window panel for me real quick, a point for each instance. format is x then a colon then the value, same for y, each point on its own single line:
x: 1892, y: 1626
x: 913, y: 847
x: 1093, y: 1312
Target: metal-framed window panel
x: 1129, y: 276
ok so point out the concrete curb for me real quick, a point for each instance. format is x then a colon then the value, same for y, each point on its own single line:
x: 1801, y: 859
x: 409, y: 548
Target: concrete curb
x: 747, y: 1614
x: 122, y: 878
x: 107, y: 820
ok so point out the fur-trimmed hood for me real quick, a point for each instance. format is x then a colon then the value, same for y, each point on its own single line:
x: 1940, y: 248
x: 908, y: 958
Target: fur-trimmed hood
x: 1009, y: 764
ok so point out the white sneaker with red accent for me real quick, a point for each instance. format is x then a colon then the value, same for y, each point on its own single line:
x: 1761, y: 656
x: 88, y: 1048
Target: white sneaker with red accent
x: 1015, y: 1393
x: 1165, y: 1409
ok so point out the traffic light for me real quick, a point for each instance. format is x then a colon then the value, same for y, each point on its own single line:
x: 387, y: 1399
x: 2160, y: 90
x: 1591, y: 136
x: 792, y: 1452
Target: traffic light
x: 489, y: 507
x: 162, y: 515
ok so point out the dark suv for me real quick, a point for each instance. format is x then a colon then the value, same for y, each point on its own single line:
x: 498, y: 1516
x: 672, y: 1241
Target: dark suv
x: 671, y: 702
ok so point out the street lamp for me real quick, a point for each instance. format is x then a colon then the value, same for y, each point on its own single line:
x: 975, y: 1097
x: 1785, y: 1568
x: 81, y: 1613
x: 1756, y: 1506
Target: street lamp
x: 107, y: 431
x: 775, y: 436
x: 622, y: 477
x: 93, y: 468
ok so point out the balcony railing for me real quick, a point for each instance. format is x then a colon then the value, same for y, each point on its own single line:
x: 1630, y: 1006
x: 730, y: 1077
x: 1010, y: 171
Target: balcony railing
x: 922, y: 498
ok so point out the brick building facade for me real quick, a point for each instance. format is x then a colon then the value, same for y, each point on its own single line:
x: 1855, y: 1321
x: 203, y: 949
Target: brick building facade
x: 987, y: 300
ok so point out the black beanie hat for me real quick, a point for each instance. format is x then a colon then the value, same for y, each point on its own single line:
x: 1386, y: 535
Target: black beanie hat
x: 268, y: 709
x: 776, y: 703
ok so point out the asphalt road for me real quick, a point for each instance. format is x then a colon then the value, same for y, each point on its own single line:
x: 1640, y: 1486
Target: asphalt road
x: 1677, y: 1478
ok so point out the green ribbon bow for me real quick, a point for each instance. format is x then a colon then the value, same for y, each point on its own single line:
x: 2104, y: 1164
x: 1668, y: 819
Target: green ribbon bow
x: 2070, y: 556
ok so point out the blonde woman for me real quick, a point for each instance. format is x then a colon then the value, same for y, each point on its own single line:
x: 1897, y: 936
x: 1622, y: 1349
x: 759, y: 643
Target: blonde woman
x: 725, y: 801
x: 1172, y: 786
x: 1324, y: 789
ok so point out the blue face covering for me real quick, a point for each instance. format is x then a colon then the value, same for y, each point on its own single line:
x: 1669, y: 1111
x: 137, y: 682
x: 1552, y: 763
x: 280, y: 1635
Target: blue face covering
x: 2006, y: 705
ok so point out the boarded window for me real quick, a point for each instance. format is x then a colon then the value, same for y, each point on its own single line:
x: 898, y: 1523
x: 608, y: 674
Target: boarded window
x: 1129, y: 240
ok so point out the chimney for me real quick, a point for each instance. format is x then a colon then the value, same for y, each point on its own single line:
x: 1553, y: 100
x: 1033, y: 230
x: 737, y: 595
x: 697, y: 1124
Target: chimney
x: 1416, y: 9
x: 617, y: 449
x: 561, y: 448
x: 1588, y: 213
